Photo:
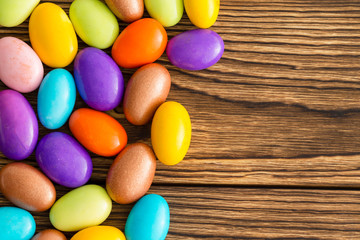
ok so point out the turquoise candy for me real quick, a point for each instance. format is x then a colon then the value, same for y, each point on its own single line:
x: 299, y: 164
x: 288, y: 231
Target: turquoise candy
x: 16, y: 224
x: 56, y: 98
x: 148, y: 219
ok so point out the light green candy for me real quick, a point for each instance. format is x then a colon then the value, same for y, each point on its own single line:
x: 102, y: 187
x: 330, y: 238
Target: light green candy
x: 80, y: 208
x: 95, y: 24
x: 14, y: 12
x: 167, y: 12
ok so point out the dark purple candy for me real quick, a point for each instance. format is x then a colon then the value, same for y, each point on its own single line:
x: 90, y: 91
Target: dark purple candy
x: 98, y: 79
x: 195, y: 49
x: 19, y: 128
x: 64, y: 160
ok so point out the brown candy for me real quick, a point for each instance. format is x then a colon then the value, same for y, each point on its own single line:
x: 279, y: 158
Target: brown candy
x: 27, y: 187
x: 127, y: 10
x: 49, y: 234
x: 147, y: 89
x: 131, y: 174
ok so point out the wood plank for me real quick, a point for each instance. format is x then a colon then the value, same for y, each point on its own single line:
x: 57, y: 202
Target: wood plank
x: 236, y: 213
x: 285, y: 96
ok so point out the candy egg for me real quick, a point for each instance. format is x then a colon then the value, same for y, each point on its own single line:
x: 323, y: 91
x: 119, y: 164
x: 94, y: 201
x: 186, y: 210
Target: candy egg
x: 16, y: 224
x: 148, y: 219
x: 52, y: 35
x: 14, y: 12
x: 202, y: 13
x: 167, y: 12
x: 145, y: 92
x: 171, y: 133
x: 99, y: 233
x: 19, y: 127
x: 98, y: 132
x: 80, y: 208
x: 127, y: 11
x: 131, y: 174
x: 56, y: 98
x: 49, y: 234
x: 64, y: 160
x: 27, y: 187
x: 20, y: 68
x: 95, y: 24
x: 195, y: 49
x: 140, y: 43
x: 98, y: 79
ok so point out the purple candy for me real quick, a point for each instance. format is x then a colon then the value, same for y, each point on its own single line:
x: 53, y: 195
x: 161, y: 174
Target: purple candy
x: 98, y: 79
x: 64, y: 160
x: 195, y: 49
x: 18, y: 126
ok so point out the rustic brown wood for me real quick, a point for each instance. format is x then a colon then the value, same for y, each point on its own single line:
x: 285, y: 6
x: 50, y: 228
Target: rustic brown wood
x: 232, y: 213
x: 284, y: 95
x: 280, y: 109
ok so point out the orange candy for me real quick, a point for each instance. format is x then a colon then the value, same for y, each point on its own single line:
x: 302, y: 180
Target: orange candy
x: 140, y: 43
x: 98, y: 132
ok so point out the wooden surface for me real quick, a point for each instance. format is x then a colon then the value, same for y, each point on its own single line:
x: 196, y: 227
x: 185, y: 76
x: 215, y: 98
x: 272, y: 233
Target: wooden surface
x: 275, y: 151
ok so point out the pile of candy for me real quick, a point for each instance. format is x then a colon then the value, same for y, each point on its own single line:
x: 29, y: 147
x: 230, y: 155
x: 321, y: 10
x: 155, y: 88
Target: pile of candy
x: 64, y: 159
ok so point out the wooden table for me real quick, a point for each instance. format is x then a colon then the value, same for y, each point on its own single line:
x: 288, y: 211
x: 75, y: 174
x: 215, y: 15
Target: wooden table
x: 275, y: 151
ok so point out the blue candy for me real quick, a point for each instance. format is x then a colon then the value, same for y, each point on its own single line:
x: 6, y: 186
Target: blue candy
x: 56, y: 98
x: 16, y: 224
x: 148, y: 219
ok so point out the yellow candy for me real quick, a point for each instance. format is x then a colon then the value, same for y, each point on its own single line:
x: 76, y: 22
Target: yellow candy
x: 202, y: 13
x: 83, y: 207
x: 171, y: 133
x: 52, y: 35
x: 99, y: 233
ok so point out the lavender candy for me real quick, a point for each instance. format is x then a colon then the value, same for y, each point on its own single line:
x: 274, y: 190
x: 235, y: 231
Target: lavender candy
x: 195, y: 49
x: 19, y: 128
x: 64, y: 160
x: 98, y: 79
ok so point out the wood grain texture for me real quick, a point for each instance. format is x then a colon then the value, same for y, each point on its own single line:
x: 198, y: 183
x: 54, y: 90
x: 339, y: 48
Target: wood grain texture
x: 284, y: 95
x: 281, y: 109
x: 231, y: 213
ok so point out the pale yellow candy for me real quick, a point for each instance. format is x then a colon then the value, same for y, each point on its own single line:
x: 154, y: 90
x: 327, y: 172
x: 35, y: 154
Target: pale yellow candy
x: 95, y: 24
x: 167, y: 12
x: 80, y: 208
x: 14, y: 12
x: 52, y: 35
x: 99, y: 233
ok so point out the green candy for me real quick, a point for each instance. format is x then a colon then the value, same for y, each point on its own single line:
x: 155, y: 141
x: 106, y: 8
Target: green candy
x: 95, y: 24
x: 80, y: 208
x: 167, y: 12
x: 14, y: 12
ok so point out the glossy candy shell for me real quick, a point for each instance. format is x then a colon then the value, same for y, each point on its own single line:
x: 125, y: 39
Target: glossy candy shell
x: 27, y: 187
x: 64, y: 160
x: 95, y: 24
x: 202, y: 13
x: 140, y: 43
x: 80, y: 208
x: 56, y: 98
x: 127, y: 11
x: 171, y: 133
x: 20, y: 68
x: 195, y: 49
x: 98, y: 132
x: 16, y: 224
x: 52, y: 35
x: 18, y: 126
x: 167, y: 12
x: 98, y: 79
x: 14, y: 12
x: 148, y: 219
x: 99, y: 233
